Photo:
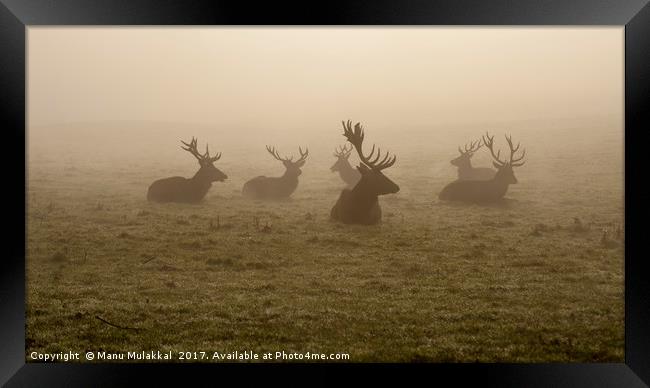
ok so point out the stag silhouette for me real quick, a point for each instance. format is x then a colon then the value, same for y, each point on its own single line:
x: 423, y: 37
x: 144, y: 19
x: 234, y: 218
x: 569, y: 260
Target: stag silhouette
x: 360, y: 205
x: 263, y: 187
x: 491, y: 190
x: 348, y: 174
x: 464, y: 164
x: 179, y: 189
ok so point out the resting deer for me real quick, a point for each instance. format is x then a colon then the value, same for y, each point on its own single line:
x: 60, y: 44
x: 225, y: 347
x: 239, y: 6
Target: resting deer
x: 179, y: 189
x: 491, y: 190
x: 263, y: 187
x: 347, y: 173
x: 360, y: 205
x: 464, y: 164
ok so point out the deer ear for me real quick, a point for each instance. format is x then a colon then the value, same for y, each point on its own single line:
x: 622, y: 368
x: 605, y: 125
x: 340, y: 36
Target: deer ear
x: 300, y: 164
x: 496, y: 165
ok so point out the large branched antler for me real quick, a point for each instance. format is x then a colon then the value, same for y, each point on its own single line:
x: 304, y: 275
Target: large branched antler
x: 489, y: 143
x: 303, y: 155
x: 342, y: 151
x: 513, y: 161
x: 276, y: 155
x: 473, y: 147
x: 192, y: 148
x: 356, y: 139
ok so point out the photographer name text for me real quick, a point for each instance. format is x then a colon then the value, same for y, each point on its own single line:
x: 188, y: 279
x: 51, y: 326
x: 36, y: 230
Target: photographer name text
x: 170, y: 355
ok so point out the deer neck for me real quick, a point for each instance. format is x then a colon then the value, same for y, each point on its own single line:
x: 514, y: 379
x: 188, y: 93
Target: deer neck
x: 202, y: 178
x: 364, y: 194
x: 465, y: 165
x: 465, y: 169
x: 347, y: 167
x: 500, y: 184
x: 289, y: 181
x: 290, y: 176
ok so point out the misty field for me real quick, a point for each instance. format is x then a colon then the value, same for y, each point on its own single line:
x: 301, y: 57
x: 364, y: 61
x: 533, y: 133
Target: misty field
x: 528, y: 280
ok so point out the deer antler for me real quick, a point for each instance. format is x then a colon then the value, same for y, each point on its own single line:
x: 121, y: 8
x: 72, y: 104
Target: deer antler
x: 489, y: 143
x: 303, y: 155
x: 191, y: 148
x: 208, y: 157
x: 275, y: 154
x: 474, y: 146
x: 356, y: 139
x: 513, y: 162
x: 342, y: 151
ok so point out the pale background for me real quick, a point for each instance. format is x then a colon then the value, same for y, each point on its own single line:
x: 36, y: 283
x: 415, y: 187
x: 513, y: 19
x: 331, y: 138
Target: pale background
x: 529, y: 280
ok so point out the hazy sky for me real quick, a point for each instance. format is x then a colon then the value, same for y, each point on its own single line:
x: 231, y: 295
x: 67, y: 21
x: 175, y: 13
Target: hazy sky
x: 296, y: 77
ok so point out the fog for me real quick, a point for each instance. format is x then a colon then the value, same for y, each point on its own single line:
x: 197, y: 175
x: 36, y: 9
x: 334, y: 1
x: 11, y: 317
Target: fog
x: 434, y: 281
x: 298, y: 78
x: 118, y: 95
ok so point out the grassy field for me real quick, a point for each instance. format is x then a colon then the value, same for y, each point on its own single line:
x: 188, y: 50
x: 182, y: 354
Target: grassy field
x: 528, y: 280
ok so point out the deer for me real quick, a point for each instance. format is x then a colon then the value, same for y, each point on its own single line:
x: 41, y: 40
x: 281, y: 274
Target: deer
x: 492, y: 190
x: 188, y: 190
x: 464, y: 164
x: 348, y: 174
x: 360, y: 205
x: 263, y: 187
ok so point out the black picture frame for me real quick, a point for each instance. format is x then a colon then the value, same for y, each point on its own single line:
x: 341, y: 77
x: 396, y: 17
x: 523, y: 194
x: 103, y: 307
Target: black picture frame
x: 17, y: 15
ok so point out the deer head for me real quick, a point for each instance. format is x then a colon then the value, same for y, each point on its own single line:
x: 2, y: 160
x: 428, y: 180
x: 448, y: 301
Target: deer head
x: 464, y: 159
x: 504, y: 168
x: 372, y: 177
x: 207, y: 171
x: 342, y: 154
x: 293, y: 168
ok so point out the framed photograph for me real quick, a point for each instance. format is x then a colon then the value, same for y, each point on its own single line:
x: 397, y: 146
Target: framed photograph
x: 208, y: 185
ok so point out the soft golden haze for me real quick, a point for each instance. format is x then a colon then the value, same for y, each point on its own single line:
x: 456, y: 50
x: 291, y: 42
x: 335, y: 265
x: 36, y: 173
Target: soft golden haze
x: 131, y: 223
x: 294, y: 78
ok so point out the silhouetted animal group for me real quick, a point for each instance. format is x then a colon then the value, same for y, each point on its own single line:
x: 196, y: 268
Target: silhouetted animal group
x: 358, y: 202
